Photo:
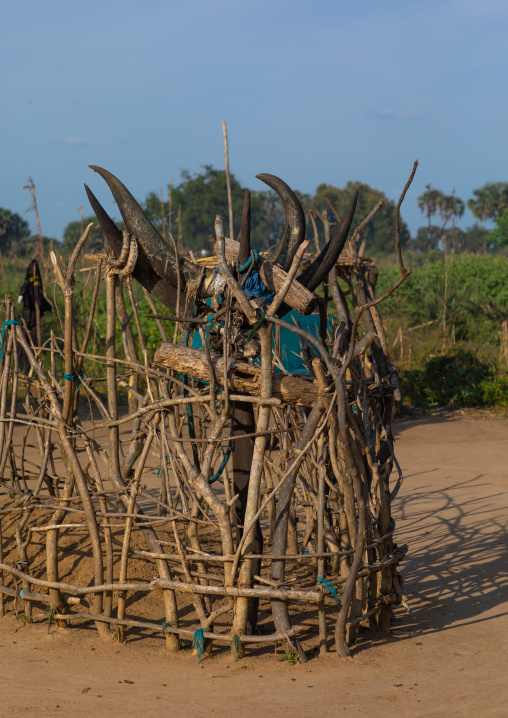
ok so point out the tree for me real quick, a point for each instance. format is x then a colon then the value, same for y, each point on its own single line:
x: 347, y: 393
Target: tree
x: 429, y: 202
x: 31, y: 247
x: 13, y: 229
x: 449, y: 208
x: 489, y: 200
x: 379, y: 234
x: 475, y: 239
x: 199, y: 197
x: 74, y: 230
x: 433, y: 202
x: 427, y: 239
x: 499, y: 234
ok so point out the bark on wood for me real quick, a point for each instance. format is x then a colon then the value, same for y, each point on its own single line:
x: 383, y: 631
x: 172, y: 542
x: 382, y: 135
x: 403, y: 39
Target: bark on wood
x: 298, y: 297
x: 243, y: 378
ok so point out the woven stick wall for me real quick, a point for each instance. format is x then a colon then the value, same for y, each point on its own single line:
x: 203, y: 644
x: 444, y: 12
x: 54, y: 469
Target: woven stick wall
x: 138, y: 502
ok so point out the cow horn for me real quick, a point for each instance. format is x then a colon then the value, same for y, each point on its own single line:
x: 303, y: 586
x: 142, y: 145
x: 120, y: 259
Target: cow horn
x: 295, y: 220
x: 320, y: 267
x: 143, y: 271
x: 244, y: 238
x: 159, y: 255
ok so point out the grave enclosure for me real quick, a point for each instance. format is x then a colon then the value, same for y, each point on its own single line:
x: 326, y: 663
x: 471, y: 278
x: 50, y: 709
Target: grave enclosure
x: 126, y: 499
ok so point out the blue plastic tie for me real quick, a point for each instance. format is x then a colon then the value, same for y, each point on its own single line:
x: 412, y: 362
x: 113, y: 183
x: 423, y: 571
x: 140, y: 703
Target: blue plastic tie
x: 74, y: 377
x: 21, y: 593
x: 329, y: 587
x: 247, y: 264
x: 160, y: 467
x: 221, y: 468
x: 7, y: 323
x: 198, y: 642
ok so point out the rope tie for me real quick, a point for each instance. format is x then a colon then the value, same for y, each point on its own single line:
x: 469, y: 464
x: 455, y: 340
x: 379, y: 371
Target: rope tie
x: 75, y: 377
x: 7, y: 323
x: 160, y: 467
x: 221, y: 468
x: 198, y: 643
x: 329, y: 587
x: 247, y: 264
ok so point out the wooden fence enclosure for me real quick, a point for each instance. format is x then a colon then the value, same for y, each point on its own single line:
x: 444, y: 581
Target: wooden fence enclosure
x: 126, y: 500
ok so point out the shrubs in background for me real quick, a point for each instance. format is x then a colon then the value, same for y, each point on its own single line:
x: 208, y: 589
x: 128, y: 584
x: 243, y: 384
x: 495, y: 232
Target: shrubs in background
x: 459, y: 379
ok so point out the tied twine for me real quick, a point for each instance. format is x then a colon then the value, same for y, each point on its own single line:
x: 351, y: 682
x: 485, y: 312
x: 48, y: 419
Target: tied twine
x: 329, y: 587
x: 159, y: 472
x: 247, y: 264
x: 7, y: 323
x: 75, y: 377
x: 221, y: 468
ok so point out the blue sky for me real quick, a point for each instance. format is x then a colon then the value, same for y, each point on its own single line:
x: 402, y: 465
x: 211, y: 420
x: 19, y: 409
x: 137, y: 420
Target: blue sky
x: 311, y: 91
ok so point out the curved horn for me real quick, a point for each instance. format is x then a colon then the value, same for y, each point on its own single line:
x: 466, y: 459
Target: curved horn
x: 244, y: 238
x: 160, y: 255
x: 320, y: 267
x: 143, y: 271
x: 295, y: 220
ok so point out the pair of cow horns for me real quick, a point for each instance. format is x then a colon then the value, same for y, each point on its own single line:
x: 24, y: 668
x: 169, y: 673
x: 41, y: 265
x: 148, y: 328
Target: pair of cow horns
x: 158, y: 264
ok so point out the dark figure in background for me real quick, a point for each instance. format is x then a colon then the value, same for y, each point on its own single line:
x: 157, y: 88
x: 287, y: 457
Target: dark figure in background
x: 34, y: 306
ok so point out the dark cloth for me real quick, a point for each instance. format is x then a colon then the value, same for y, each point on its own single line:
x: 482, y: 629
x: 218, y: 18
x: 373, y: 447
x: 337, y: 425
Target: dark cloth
x: 30, y: 294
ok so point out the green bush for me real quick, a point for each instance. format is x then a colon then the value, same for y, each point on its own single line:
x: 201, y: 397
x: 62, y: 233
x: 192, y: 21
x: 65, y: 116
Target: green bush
x: 458, y: 378
x: 495, y: 391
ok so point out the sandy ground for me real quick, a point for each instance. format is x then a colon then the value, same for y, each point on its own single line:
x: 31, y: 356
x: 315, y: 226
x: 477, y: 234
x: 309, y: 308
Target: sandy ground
x: 447, y: 659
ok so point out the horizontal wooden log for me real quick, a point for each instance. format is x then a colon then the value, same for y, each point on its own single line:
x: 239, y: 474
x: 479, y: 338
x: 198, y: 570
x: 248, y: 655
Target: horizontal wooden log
x: 273, y: 276
x: 282, y: 594
x: 185, y: 632
x: 243, y: 378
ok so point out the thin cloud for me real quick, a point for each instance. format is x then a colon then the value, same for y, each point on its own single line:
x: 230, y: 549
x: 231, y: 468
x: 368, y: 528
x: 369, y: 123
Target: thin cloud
x: 72, y: 141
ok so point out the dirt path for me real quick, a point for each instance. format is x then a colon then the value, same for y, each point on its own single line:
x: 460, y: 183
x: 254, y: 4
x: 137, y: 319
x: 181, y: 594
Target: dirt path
x: 449, y: 658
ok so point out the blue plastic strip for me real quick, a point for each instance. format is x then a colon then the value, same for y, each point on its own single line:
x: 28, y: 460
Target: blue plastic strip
x: 198, y: 643
x: 7, y: 323
x: 247, y: 264
x: 221, y: 468
x: 330, y: 588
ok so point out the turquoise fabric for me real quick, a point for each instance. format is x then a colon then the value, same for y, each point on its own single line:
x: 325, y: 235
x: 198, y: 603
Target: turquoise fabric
x: 290, y: 347
x: 290, y: 343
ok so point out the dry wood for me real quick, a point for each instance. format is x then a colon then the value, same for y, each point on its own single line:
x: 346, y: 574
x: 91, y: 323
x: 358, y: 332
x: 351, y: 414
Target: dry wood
x: 298, y: 297
x: 242, y: 377
x: 322, y: 476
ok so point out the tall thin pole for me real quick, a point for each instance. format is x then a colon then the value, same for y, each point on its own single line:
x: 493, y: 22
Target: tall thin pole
x: 228, y: 181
